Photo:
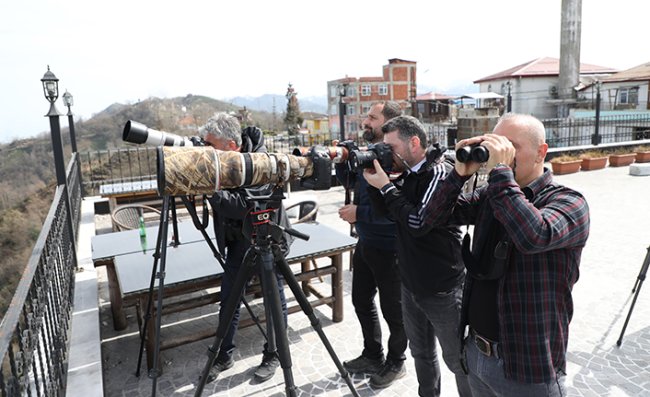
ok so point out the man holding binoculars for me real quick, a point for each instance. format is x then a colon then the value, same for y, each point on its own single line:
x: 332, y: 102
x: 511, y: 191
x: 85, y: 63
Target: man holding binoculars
x: 528, y: 238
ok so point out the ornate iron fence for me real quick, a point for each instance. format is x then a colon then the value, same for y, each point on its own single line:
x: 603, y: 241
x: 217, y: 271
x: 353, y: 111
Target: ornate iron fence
x: 35, y: 330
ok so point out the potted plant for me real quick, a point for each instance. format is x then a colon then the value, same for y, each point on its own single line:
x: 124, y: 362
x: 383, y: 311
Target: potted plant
x: 642, y: 154
x: 565, y: 164
x: 621, y: 158
x: 593, y: 160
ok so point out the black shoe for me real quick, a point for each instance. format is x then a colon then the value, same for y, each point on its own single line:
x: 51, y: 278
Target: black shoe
x: 363, y: 365
x: 218, y: 367
x: 266, y: 369
x: 387, y: 375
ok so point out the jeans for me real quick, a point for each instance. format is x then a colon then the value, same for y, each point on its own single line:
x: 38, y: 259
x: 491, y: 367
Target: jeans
x: 428, y: 318
x: 236, y: 251
x: 376, y: 270
x: 487, y: 377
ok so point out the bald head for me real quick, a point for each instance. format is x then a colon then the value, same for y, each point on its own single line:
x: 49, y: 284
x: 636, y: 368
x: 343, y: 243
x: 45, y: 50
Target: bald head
x: 528, y: 126
x: 528, y: 137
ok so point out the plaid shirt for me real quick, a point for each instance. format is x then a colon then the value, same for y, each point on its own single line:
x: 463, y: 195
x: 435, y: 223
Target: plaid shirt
x: 548, y: 225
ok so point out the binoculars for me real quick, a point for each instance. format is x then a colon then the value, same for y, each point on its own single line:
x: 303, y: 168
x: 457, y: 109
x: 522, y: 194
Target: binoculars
x: 476, y: 153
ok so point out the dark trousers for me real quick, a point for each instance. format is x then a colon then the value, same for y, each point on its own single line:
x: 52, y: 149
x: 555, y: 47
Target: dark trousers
x: 376, y: 270
x: 235, y: 255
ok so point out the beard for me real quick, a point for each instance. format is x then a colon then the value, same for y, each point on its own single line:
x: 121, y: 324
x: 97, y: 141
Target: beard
x: 369, y: 135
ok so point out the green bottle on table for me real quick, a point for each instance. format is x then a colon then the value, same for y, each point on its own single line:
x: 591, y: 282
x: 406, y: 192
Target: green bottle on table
x: 143, y: 235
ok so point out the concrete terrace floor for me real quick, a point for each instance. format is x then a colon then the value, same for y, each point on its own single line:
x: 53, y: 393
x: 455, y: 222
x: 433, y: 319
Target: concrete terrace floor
x: 612, y: 259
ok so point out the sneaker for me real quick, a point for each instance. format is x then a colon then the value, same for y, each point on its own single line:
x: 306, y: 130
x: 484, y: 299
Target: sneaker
x: 266, y: 370
x: 389, y: 373
x: 363, y: 365
x: 218, y: 367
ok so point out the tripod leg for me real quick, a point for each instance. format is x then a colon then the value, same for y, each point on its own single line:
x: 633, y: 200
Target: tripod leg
x: 147, y: 316
x: 230, y: 306
x: 289, y: 277
x: 154, y: 372
x: 272, y: 301
x: 637, y: 287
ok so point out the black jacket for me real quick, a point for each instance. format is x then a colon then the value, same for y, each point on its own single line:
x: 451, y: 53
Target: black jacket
x: 373, y: 229
x: 230, y: 209
x: 429, y: 258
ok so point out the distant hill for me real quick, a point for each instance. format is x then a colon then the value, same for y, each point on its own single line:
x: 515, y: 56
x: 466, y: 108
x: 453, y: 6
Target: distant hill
x: 266, y: 103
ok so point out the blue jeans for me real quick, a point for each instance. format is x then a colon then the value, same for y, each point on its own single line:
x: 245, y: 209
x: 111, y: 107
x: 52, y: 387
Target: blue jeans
x: 487, y: 377
x: 236, y: 251
x: 428, y: 318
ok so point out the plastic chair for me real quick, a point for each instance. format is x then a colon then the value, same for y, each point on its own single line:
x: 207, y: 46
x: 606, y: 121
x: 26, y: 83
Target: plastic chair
x: 127, y: 217
x: 307, y: 211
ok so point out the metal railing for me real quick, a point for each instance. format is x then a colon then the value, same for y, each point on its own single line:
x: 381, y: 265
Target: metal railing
x: 611, y: 129
x: 35, y: 330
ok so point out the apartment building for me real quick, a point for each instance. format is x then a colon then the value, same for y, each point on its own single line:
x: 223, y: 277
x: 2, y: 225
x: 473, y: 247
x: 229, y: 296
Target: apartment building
x: 356, y: 94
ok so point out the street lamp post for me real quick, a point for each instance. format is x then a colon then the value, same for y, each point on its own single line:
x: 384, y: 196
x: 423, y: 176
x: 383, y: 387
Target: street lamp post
x: 595, y: 139
x: 509, y: 103
x: 68, y: 101
x: 51, y: 92
x: 342, y: 92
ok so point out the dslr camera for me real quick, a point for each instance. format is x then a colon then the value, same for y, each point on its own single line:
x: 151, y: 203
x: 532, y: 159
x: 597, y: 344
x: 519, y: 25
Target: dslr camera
x: 475, y: 153
x: 376, y: 151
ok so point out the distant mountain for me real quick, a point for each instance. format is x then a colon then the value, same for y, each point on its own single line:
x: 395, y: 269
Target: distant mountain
x: 266, y: 102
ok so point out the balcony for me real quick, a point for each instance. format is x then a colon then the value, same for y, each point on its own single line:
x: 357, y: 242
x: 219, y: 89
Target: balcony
x: 58, y: 338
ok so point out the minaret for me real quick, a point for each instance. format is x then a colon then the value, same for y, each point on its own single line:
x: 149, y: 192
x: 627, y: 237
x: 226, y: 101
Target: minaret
x: 569, y: 53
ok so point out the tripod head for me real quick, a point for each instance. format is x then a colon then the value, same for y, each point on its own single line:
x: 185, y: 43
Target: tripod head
x: 263, y: 225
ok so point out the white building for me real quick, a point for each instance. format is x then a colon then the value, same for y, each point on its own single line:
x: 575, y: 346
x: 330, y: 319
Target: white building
x: 533, y: 85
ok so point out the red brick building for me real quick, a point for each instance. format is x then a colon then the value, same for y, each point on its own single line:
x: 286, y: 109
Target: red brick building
x: 397, y: 83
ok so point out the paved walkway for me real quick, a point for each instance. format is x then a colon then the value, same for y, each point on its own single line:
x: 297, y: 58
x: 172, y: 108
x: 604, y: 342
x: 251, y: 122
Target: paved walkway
x: 597, y: 367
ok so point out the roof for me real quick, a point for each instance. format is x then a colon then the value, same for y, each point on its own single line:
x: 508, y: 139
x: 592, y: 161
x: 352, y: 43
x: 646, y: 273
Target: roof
x: 482, y: 95
x: 432, y: 96
x: 641, y: 72
x: 546, y: 66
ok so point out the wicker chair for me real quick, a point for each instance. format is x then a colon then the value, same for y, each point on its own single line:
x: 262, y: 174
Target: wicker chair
x: 307, y: 211
x: 127, y: 217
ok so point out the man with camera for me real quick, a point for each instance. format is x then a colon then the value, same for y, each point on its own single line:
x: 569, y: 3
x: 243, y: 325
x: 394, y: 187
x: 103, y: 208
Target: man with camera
x: 429, y: 257
x: 528, y: 237
x: 374, y: 268
x: 231, y: 212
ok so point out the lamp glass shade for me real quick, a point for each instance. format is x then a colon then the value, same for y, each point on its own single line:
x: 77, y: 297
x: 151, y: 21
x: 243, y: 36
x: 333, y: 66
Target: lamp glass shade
x: 68, y: 100
x: 50, y: 86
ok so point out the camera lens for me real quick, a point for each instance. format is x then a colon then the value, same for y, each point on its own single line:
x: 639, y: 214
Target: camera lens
x: 359, y: 159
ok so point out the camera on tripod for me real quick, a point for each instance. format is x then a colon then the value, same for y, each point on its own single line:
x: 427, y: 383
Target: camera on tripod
x: 139, y: 133
x: 347, y: 151
x: 475, y: 153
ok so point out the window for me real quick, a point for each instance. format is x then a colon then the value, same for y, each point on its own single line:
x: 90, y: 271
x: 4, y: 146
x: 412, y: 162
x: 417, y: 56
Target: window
x: 383, y: 89
x: 351, y: 109
x: 365, y: 109
x: 365, y: 90
x: 352, y: 91
x: 629, y: 95
x: 334, y: 91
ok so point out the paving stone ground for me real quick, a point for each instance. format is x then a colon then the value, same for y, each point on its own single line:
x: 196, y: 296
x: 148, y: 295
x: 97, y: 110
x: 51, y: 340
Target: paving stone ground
x: 611, y: 262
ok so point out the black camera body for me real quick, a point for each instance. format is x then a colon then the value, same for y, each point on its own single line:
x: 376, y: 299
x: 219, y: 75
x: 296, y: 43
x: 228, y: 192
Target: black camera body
x: 382, y: 152
x: 475, y: 153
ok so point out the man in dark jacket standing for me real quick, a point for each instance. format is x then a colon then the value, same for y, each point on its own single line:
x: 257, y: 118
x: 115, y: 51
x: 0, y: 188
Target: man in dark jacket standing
x: 230, y: 211
x: 374, y: 268
x: 429, y: 257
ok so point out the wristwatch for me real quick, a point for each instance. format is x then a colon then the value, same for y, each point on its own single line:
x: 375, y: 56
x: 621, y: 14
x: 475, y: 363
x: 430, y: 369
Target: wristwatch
x: 497, y: 165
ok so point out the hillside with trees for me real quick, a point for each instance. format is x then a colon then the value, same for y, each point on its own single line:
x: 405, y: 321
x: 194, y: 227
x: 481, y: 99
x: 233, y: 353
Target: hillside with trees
x: 27, y: 179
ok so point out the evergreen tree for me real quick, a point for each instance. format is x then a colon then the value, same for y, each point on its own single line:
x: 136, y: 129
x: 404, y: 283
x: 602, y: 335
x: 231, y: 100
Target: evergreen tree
x: 292, y: 118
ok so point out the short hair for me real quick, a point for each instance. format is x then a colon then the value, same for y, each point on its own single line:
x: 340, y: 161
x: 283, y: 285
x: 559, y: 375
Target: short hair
x: 390, y: 110
x: 531, y: 126
x: 407, y: 127
x: 223, y: 125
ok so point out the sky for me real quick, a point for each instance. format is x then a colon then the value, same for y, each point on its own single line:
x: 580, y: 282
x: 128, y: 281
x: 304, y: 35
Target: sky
x: 124, y: 51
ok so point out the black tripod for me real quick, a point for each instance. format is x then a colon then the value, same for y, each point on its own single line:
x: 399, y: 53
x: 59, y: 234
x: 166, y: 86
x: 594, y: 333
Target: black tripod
x: 160, y: 255
x: 264, y: 256
x: 637, y: 288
